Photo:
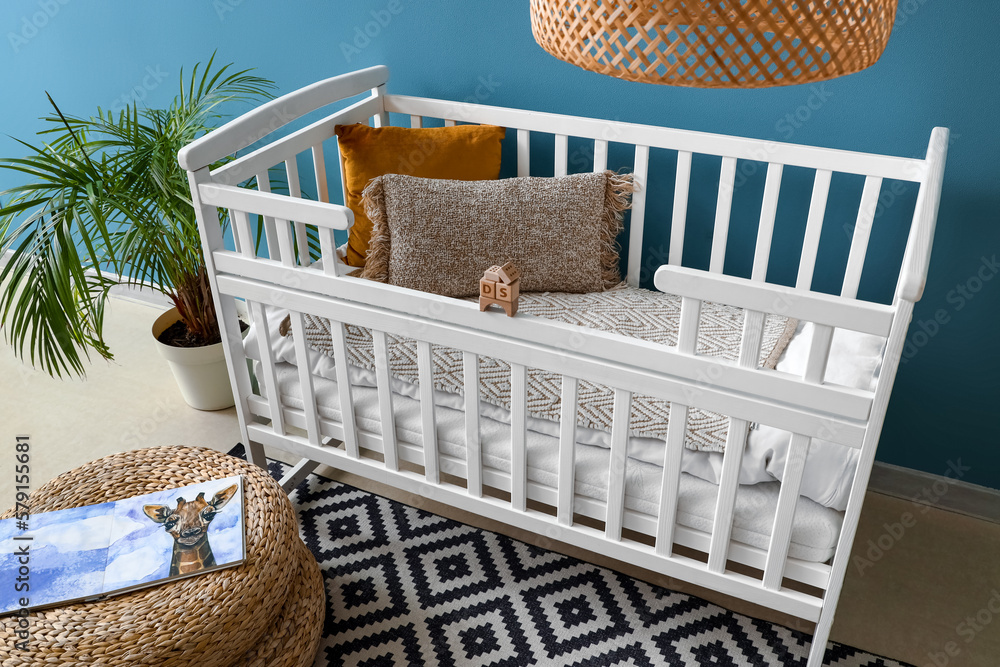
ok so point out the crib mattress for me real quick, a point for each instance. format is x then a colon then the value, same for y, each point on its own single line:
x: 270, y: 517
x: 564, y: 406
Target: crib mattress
x: 814, y: 533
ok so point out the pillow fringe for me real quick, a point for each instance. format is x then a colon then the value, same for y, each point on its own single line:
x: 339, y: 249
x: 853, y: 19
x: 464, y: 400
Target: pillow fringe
x: 377, y: 263
x: 617, y: 199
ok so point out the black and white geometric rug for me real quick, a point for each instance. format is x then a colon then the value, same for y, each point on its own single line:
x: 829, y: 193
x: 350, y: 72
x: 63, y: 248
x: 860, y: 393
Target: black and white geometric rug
x: 406, y: 587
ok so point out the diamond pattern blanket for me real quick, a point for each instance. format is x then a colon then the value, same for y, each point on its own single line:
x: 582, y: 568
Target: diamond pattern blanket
x: 627, y: 311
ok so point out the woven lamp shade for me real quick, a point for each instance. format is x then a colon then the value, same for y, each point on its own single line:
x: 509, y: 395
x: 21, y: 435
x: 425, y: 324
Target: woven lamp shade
x: 711, y: 44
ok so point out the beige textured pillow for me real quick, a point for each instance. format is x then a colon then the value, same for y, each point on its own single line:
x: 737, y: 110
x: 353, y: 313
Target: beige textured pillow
x: 439, y: 235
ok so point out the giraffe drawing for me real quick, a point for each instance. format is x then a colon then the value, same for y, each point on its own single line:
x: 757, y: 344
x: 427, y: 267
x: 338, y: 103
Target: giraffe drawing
x: 188, y: 524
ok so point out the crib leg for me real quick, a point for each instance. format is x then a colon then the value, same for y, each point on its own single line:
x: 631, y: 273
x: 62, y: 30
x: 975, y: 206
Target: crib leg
x: 296, y: 474
x: 818, y: 648
x: 256, y: 453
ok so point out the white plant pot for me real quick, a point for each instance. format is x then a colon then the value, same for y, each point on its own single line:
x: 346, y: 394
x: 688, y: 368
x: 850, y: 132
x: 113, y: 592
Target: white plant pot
x: 200, y: 372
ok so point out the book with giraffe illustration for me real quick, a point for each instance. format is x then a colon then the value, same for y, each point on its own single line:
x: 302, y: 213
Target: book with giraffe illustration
x: 93, y: 552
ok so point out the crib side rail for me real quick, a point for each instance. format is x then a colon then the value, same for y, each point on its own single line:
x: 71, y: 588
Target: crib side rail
x: 785, y: 401
x: 320, y: 214
x: 824, y: 309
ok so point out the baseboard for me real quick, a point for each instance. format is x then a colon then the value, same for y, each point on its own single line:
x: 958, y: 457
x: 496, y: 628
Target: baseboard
x: 939, y: 491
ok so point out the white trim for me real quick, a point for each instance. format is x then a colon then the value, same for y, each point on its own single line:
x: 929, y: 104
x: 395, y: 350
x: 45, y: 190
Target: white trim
x: 924, y: 488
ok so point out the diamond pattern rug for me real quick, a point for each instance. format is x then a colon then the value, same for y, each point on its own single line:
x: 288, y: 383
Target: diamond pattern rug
x: 406, y: 587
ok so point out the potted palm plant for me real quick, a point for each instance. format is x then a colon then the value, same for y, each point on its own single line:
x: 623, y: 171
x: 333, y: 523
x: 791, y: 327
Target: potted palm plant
x: 105, y: 203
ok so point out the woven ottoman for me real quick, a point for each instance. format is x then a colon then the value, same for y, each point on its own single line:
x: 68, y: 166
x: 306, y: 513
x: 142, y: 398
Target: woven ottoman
x: 267, y: 611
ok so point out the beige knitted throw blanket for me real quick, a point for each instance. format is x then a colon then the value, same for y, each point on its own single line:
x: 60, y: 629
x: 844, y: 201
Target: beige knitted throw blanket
x: 628, y: 311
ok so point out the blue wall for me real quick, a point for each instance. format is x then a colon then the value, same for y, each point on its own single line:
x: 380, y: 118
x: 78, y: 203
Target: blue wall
x: 938, y: 70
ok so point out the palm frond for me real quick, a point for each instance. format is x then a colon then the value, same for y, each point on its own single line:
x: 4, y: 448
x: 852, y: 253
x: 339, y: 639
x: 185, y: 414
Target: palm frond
x: 105, y: 193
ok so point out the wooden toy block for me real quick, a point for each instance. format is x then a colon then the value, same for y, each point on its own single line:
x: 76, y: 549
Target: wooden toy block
x: 508, y: 292
x: 488, y: 288
x: 492, y: 273
x: 508, y: 273
x: 501, y: 286
x: 509, y: 307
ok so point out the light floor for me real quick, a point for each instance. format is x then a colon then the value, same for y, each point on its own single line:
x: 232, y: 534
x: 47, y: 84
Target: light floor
x: 931, y: 588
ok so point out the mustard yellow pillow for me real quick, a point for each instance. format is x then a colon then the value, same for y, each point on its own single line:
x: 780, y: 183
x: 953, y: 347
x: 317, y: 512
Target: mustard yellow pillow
x: 460, y: 153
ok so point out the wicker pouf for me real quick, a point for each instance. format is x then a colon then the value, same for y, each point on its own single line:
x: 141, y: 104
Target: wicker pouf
x: 217, y: 619
x: 294, y: 637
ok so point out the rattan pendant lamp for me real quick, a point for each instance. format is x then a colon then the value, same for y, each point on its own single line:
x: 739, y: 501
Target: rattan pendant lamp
x: 711, y: 44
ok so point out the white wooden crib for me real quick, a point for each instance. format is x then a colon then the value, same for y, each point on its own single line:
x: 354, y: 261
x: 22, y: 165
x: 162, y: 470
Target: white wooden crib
x: 804, y: 406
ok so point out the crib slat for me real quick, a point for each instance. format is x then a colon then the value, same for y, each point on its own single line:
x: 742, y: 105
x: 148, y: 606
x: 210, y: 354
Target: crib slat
x: 616, y: 474
x: 765, y: 231
x: 428, y: 423
x: 270, y: 230
x: 328, y: 250
x: 638, y: 215
x: 819, y: 353
x: 753, y: 334
x: 267, y: 367
x: 562, y: 154
x: 523, y: 153
x: 722, y: 525
x: 732, y: 460
x: 679, y: 214
x: 416, y: 122
x: 814, y: 228
x: 283, y: 229
x: 784, y: 516
x: 862, y: 232
x: 231, y: 214
x: 242, y: 234
x: 319, y: 165
x: 473, y: 447
x: 567, y: 451
x: 600, y: 155
x: 295, y: 190
x: 344, y: 391
x: 382, y: 117
x: 386, y: 416
x: 305, y: 377
x: 723, y: 211
x: 687, y: 337
x: 292, y: 171
x: 670, y: 483
x: 518, y: 437
x: 340, y: 169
